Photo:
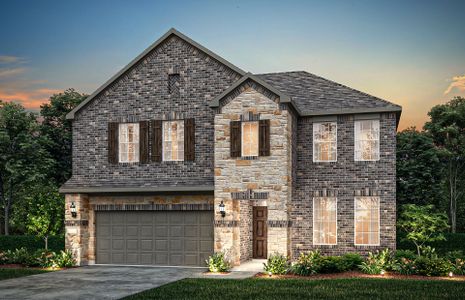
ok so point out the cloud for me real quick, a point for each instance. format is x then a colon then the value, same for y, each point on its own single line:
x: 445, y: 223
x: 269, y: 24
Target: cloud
x: 29, y: 99
x: 11, y: 72
x: 458, y: 82
x: 8, y: 59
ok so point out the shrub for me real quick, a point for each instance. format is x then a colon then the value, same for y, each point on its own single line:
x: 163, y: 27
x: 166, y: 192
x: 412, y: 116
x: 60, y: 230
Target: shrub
x: 307, y: 263
x: 277, y: 264
x: 31, y: 243
x: 432, y: 266
x: 18, y: 256
x: 377, y: 262
x: 408, y: 254
x: 44, y: 258
x: 457, y: 260
x: 331, y: 264
x: 64, y: 259
x: 405, y: 266
x: 218, y: 263
x: 351, y: 261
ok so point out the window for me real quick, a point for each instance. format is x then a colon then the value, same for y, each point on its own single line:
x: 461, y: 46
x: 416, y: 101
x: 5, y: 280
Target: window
x: 367, y: 221
x: 249, y: 138
x: 173, y: 140
x: 173, y: 84
x: 128, y: 142
x: 324, y: 142
x: 367, y: 140
x: 324, y: 221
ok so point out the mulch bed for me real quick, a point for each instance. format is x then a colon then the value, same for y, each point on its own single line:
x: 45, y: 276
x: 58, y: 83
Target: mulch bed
x: 355, y: 274
x: 216, y: 274
x: 18, y: 266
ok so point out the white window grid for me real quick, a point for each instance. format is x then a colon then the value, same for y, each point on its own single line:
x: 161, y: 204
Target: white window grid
x: 173, y: 140
x: 367, y: 208
x: 128, y: 142
x: 366, y: 140
x: 324, y: 220
x: 249, y: 136
x: 325, y: 142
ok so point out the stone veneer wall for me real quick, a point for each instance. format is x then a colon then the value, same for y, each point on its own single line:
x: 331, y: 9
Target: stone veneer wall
x: 270, y: 174
x: 344, y: 177
x: 80, y: 231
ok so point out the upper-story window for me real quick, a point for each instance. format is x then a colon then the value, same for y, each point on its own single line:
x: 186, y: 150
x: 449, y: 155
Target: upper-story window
x: 173, y: 140
x: 250, y: 138
x: 366, y: 140
x: 128, y: 142
x: 324, y: 221
x: 324, y: 142
x: 366, y: 220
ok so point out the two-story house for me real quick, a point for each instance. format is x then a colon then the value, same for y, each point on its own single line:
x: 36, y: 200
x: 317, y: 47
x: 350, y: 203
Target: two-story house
x: 182, y: 154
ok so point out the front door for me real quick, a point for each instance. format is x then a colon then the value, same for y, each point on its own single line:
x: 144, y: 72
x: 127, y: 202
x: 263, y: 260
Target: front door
x: 260, y: 215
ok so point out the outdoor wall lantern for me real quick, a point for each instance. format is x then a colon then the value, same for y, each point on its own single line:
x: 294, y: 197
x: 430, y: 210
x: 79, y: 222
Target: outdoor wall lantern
x: 73, y: 210
x: 222, y: 211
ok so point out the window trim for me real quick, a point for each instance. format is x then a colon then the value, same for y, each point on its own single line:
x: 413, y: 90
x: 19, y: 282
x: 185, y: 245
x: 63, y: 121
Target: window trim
x: 379, y: 222
x: 163, y: 140
x: 379, y: 140
x: 313, y: 224
x: 242, y: 138
x: 315, y: 160
x: 136, y: 124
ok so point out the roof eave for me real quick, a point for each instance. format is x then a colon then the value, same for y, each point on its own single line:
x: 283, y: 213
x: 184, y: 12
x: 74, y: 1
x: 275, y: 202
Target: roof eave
x: 345, y: 111
x: 170, y: 32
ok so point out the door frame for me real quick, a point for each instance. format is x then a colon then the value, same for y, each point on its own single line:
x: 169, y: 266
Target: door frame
x: 255, y: 223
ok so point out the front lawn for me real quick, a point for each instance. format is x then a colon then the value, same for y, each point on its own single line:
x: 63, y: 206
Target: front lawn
x: 302, y: 288
x: 8, y: 273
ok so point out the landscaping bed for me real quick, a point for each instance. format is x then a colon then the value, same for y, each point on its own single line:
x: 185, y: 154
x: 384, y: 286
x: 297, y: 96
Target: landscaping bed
x: 356, y: 274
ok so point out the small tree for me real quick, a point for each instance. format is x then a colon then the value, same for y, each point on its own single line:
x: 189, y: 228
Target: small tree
x: 46, y: 212
x: 422, y: 224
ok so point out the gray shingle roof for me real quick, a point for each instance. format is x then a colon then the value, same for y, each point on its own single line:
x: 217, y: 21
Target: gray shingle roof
x: 314, y: 95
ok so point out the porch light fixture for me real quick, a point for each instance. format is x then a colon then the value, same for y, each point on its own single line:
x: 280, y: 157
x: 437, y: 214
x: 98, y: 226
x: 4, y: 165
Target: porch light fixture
x: 73, y: 210
x: 222, y: 211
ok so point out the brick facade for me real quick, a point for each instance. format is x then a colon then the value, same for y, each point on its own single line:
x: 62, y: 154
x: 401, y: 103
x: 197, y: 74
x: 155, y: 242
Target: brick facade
x: 346, y: 177
x: 142, y: 94
x: 285, y: 182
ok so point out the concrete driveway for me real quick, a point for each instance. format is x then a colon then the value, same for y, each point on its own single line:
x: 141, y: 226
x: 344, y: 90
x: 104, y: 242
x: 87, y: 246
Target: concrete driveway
x: 92, y: 282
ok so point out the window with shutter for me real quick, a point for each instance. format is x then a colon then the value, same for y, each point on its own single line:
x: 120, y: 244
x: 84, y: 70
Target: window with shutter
x: 235, y: 134
x: 144, y: 141
x: 156, y: 140
x: 173, y: 140
x: 189, y: 140
x: 128, y: 140
x: 113, y: 142
x: 249, y: 138
x: 264, y: 138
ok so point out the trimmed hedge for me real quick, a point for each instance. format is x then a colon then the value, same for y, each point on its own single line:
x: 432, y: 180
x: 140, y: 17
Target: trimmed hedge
x: 454, y: 242
x: 31, y: 243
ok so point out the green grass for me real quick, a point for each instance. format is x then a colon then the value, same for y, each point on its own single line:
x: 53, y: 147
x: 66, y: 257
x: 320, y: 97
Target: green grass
x: 20, y: 272
x: 305, y: 289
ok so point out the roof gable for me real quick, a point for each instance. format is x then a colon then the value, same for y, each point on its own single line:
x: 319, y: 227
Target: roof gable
x: 141, y: 56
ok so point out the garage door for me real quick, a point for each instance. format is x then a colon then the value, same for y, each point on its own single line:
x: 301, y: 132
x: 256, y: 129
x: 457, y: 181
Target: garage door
x: 172, y: 238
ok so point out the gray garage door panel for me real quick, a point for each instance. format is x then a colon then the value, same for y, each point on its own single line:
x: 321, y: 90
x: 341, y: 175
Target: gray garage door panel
x: 172, y: 238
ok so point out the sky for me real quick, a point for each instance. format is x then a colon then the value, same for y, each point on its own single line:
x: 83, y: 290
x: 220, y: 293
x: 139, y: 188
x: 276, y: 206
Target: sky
x: 411, y: 53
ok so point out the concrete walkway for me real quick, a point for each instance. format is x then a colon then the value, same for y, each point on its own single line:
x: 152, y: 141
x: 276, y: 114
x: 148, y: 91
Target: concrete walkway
x: 92, y: 282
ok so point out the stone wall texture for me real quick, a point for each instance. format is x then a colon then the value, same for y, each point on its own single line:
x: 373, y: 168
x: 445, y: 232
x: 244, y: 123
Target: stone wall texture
x: 271, y: 174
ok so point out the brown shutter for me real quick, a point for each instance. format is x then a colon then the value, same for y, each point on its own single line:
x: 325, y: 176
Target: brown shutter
x: 189, y: 139
x: 113, y: 142
x: 144, y: 141
x: 264, y: 138
x: 156, y: 140
x: 235, y: 132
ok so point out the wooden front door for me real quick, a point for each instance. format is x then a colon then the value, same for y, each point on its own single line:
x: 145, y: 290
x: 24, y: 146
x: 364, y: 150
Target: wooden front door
x: 260, y: 215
